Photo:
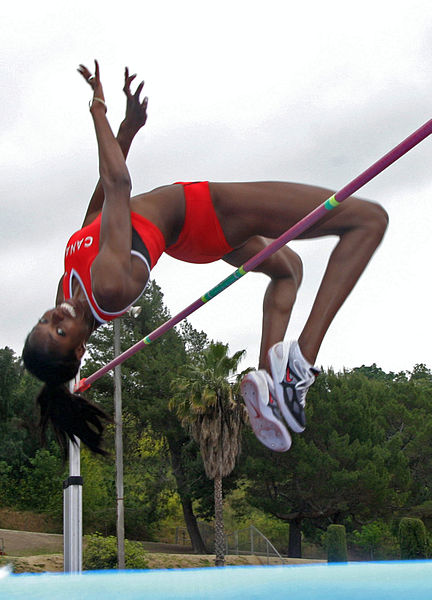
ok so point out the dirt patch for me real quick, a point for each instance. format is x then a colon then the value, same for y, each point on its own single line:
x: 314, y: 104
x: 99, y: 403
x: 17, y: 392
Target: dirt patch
x: 26, y: 543
x: 189, y: 561
x: 43, y: 563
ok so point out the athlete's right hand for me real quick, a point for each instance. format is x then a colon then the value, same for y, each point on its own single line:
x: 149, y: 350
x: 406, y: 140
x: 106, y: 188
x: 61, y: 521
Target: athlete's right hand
x: 94, y: 82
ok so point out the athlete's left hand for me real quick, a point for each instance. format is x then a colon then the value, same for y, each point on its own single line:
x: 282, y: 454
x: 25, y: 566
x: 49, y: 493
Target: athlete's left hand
x: 136, y: 111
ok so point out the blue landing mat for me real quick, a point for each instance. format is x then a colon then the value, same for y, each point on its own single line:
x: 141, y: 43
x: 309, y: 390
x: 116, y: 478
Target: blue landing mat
x: 411, y: 580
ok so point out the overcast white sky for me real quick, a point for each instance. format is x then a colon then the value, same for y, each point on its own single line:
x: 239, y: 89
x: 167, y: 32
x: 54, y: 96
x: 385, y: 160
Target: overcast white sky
x: 305, y: 91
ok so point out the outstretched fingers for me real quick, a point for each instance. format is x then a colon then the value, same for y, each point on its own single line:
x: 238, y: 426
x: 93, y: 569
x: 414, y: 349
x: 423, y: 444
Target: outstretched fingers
x: 92, y: 80
x: 139, y: 90
x: 85, y: 73
x: 128, y: 80
x: 126, y: 88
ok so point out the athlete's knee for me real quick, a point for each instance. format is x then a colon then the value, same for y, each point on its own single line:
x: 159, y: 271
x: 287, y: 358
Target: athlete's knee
x: 368, y: 216
x: 382, y: 218
x: 377, y: 221
x: 284, y: 264
x: 295, y: 267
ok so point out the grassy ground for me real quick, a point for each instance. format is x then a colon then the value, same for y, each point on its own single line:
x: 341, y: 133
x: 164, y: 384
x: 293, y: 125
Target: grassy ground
x: 30, y: 552
x: 54, y: 562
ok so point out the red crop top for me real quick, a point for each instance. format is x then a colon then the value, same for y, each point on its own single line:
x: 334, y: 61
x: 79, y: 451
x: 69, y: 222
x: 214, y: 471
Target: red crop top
x: 83, y: 247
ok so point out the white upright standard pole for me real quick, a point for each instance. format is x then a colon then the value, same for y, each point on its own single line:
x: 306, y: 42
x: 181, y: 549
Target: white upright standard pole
x: 72, y: 509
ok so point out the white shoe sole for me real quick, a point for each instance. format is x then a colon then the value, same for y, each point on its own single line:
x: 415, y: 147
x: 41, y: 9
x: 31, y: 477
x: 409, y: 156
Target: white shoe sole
x: 278, y: 359
x: 267, y: 428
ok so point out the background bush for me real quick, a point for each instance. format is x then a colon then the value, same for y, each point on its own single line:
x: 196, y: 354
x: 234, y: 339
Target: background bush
x: 377, y: 540
x: 101, y: 553
x: 336, y: 543
x: 412, y: 538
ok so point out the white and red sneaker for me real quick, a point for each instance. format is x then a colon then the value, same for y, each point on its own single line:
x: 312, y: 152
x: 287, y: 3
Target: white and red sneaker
x: 292, y: 377
x: 264, y: 415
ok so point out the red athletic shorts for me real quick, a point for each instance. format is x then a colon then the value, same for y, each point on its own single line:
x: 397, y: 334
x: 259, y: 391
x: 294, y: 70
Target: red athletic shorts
x: 201, y: 240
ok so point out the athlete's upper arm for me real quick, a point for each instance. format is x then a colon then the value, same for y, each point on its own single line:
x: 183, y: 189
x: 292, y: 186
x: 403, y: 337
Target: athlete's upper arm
x: 90, y: 217
x: 117, y: 279
x: 114, y: 283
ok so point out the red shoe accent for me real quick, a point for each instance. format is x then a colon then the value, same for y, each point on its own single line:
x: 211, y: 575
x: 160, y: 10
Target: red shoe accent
x: 258, y: 416
x: 288, y: 374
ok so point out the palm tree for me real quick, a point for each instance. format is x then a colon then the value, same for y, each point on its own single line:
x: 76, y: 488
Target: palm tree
x: 209, y: 406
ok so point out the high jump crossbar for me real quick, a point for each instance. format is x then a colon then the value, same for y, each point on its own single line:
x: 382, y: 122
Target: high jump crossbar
x: 310, y: 219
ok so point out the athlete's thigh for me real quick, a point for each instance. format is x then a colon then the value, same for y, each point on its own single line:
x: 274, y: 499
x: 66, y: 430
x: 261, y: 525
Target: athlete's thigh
x: 283, y: 263
x: 271, y: 208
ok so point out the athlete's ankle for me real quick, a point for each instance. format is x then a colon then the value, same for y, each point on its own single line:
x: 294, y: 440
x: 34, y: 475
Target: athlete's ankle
x: 309, y: 353
x: 264, y: 363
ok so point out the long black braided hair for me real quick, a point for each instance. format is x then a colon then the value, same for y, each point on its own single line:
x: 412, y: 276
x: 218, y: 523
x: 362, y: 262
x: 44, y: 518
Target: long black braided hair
x: 69, y: 414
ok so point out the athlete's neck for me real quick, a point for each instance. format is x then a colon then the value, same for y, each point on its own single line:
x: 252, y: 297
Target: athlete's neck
x: 79, y: 295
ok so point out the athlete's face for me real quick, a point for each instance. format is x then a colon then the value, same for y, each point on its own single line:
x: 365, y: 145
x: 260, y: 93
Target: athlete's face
x: 63, y: 328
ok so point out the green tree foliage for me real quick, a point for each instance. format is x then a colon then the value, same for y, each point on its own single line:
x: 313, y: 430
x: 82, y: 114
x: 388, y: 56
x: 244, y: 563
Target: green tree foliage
x: 18, y: 415
x: 239, y: 514
x: 30, y: 477
x: 422, y: 374
x: 41, y: 487
x: 377, y: 539
x: 151, y: 477
x: 9, y: 378
x: 149, y: 482
x: 210, y: 408
x: 364, y: 454
x: 364, y: 457
x: 6, y: 490
x: 412, y: 538
x: 336, y: 543
x: 99, y: 497
x: 160, y: 456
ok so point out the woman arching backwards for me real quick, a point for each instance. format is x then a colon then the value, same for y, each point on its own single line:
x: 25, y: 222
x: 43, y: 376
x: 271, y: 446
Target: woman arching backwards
x: 108, y: 263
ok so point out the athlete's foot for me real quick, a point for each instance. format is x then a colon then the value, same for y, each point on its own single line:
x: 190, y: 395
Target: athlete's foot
x: 292, y: 377
x: 264, y: 415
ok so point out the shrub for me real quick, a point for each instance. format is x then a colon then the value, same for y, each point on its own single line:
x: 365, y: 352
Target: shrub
x: 412, y: 538
x: 377, y: 539
x: 336, y: 543
x: 101, y: 553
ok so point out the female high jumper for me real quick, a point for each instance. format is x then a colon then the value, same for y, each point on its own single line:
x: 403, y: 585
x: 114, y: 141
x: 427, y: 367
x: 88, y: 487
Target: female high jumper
x: 108, y: 263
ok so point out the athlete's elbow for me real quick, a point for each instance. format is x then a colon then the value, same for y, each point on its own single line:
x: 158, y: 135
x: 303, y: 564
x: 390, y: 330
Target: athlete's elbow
x: 119, y: 181
x: 110, y: 295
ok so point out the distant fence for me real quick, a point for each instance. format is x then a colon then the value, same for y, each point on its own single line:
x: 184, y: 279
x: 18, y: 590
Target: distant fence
x: 251, y: 541
x: 247, y: 541
x: 207, y: 534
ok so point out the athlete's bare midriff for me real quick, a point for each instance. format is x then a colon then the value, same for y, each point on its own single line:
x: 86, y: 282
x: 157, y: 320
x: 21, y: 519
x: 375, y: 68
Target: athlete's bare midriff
x: 165, y: 207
